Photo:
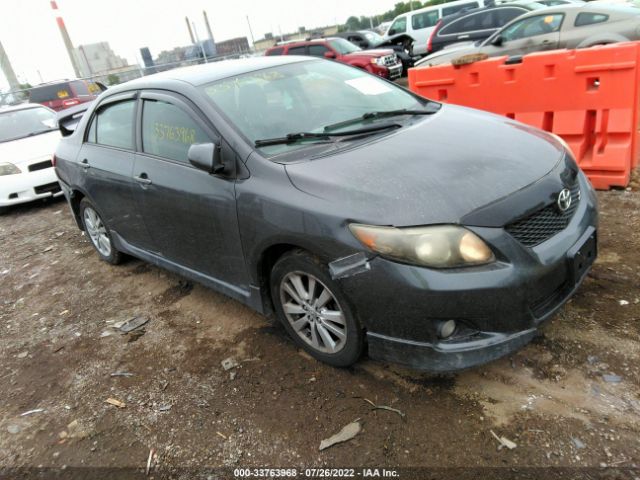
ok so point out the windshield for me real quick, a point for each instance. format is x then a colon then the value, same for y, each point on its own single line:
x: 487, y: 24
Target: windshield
x: 374, y: 38
x: 302, y: 97
x: 343, y: 46
x: 16, y: 124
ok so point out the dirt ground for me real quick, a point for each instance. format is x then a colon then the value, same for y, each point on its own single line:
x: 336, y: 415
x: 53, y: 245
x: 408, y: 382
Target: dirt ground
x: 59, y: 350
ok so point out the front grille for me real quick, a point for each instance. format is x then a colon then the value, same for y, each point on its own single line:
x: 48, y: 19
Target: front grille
x: 48, y: 188
x: 40, y: 166
x: 390, y: 60
x: 545, y: 223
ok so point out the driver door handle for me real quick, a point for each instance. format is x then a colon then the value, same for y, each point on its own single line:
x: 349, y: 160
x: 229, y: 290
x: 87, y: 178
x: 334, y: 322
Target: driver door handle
x: 143, y: 179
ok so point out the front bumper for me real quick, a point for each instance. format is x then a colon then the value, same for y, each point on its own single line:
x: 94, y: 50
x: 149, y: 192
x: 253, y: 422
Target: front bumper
x: 498, y: 307
x: 28, y: 186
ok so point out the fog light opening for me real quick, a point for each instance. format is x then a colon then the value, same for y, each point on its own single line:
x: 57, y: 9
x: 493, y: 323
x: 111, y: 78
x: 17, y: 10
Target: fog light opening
x: 446, y: 329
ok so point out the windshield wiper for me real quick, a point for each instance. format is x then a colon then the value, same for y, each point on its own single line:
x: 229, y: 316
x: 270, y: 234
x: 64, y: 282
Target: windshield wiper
x: 294, y: 137
x: 382, y: 114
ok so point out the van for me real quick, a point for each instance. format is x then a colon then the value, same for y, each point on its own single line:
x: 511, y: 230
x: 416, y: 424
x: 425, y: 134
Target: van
x: 420, y: 23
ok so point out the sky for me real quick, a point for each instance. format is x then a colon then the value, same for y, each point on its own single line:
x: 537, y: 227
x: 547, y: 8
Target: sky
x: 30, y: 35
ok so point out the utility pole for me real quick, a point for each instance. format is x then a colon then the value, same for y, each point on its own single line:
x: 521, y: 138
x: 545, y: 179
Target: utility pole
x: 193, y: 40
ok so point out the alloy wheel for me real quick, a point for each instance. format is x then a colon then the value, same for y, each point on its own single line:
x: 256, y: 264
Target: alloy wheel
x: 313, y: 312
x: 97, y: 231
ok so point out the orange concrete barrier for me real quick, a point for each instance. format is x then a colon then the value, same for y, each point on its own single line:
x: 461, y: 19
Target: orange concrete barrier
x: 589, y: 97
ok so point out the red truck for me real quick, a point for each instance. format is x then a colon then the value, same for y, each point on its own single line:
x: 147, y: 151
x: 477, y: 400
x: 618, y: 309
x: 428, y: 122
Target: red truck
x: 384, y: 63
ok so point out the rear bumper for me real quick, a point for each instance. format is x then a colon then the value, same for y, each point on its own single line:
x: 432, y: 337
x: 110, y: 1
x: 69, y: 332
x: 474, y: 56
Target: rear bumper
x: 28, y: 186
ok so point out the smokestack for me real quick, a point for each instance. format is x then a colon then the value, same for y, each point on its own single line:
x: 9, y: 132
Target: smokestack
x: 193, y: 40
x: 7, y: 69
x: 206, y: 22
x: 66, y: 39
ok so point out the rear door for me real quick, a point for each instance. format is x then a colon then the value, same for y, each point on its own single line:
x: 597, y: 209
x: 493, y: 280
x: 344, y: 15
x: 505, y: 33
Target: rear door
x: 190, y: 214
x: 106, y: 166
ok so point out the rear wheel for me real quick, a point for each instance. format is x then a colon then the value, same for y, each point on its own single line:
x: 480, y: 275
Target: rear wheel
x: 313, y: 310
x: 98, y: 233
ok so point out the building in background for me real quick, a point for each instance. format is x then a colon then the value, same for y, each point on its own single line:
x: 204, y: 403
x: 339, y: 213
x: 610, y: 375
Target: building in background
x: 97, y: 58
x: 233, y: 46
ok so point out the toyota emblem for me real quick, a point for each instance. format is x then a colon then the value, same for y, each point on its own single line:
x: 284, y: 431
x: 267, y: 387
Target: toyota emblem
x: 564, y: 200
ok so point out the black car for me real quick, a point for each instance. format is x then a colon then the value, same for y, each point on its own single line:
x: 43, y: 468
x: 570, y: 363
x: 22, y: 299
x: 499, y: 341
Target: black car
x: 476, y: 24
x: 342, y: 203
x: 401, y: 44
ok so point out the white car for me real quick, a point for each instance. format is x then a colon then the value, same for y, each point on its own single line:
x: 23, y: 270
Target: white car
x: 28, y: 138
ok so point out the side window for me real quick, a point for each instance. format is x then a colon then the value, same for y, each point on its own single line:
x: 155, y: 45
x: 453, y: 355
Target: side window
x: 399, y: 26
x: 587, y: 18
x: 505, y: 15
x: 425, y: 20
x: 168, y: 131
x: 470, y: 23
x: 113, y: 125
x: 317, y: 50
x: 298, y: 50
x: 451, y: 10
x: 532, y: 26
x: 275, y: 51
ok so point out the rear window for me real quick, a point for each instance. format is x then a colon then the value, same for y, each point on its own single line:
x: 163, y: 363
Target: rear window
x: 455, y: 9
x: 275, y: 51
x: 47, y: 93
x: 425, y: 20
x: 588, y: 18
x: 113, y: 125
x: 80, y: 88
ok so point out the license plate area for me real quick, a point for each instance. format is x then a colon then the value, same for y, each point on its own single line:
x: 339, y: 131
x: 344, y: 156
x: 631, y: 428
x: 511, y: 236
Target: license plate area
x: 582, y: 255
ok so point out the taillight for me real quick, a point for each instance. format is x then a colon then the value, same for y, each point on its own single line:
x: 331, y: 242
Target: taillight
x: 433, y: 34
x: 70, y: 102
x: 54, y: 160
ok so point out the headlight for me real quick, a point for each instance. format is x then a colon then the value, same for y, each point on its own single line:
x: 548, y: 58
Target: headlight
x: 378, y: 61
x: 8, y: 169
x: 442, y: 246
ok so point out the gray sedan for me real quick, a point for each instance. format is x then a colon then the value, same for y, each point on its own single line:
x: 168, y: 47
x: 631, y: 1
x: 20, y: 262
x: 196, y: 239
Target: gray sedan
x: 563, y: 26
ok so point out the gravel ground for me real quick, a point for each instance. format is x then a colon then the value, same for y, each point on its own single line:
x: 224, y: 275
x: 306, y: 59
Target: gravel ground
x: 59, y: 349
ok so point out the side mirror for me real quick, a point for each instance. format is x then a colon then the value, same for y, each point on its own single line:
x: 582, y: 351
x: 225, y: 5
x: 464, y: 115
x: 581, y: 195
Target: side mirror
x: 498, y: 41
x: 206, y: 156
x: 329, y: 55
x: 391, y: 32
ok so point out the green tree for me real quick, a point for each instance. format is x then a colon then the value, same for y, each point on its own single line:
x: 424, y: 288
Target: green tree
x: 113, y: 79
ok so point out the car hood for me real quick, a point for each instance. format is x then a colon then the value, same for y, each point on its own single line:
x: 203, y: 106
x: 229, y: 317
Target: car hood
x: 27, y: 149
x: 447, y: 54
x: 375, y: 53
x: 437, y: 170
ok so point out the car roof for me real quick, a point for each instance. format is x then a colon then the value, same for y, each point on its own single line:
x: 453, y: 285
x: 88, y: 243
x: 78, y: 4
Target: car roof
x: 22, y: 106
x: 209, y: 72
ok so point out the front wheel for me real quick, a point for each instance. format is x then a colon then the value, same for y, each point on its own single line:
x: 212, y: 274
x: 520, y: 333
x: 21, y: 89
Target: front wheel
x: 98, y: 233
x: 314, y: 311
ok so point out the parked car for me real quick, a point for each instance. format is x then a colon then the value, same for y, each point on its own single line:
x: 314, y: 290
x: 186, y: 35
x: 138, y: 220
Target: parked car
x: 303, y: 189
x: 61, y: 95
x: 477, y: 23
x: 382, y: 62
x: 420, y: 23
x: 28, y: 137
x: 401, y: 44
x: 565, y: 26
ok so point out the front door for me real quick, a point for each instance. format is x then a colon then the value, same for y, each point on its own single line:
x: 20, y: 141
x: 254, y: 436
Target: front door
x: 532, y: 34
x: 189, y: 213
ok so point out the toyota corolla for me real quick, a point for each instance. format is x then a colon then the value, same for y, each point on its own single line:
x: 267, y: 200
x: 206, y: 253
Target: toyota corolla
x: 361, y: 216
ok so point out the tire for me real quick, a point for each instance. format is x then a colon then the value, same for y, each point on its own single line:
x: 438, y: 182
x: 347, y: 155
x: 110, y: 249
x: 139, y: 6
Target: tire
x: 4, y: 210
x: 313, y: 310
x: 98, y: 233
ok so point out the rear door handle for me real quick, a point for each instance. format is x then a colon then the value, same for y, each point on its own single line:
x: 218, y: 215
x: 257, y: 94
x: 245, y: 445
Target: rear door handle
x: 85, y: 164
x: 462, y: 37
x: 143, y: 179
